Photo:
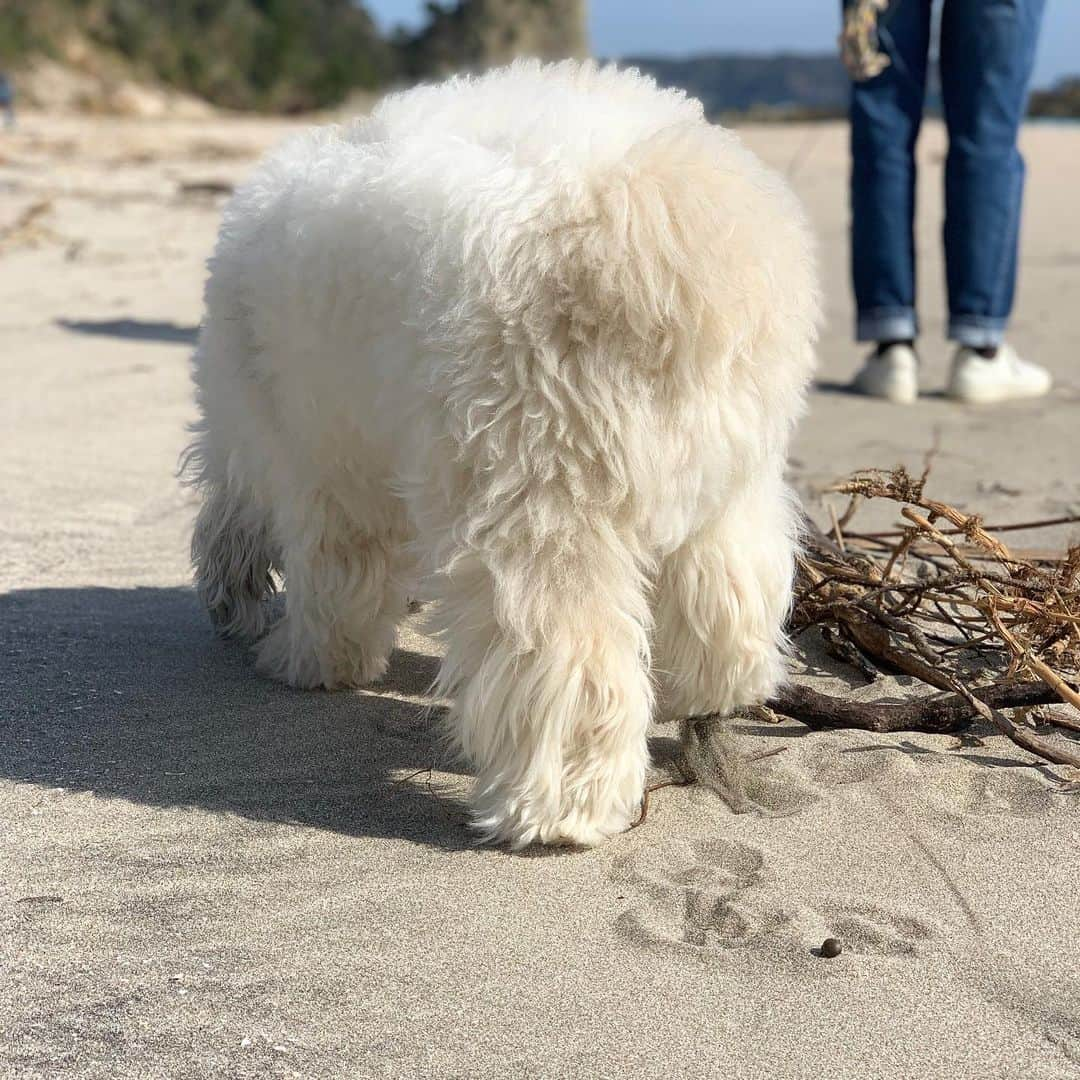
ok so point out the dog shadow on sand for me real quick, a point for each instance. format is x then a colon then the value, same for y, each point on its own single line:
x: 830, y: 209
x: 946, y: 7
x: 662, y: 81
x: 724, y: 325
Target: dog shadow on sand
x: 128, y: 693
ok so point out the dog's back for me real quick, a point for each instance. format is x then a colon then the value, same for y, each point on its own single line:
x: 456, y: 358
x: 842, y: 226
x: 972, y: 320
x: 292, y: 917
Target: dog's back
x: 532, y: 114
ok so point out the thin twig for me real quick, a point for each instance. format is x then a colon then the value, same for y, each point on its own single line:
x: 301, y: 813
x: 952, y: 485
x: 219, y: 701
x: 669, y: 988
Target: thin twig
x: 838, y: 535
x: 1016, y: 526
x: 684, y: 782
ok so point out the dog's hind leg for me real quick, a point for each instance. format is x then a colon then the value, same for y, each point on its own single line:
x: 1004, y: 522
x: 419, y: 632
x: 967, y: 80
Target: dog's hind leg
x: 233, y: 554
x: 721, y: 602
x: 346, y: 585
x: 232, y: 546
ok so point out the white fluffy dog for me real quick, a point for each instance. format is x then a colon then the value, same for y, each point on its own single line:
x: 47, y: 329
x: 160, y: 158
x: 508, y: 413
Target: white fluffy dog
x: 532, y: 343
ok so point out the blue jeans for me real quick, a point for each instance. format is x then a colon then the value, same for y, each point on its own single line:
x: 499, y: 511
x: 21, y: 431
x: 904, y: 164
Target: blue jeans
x: 986, y: 55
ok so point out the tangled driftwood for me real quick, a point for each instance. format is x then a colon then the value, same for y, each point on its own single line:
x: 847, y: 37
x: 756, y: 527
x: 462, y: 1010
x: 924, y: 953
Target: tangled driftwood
x: 943, y: 600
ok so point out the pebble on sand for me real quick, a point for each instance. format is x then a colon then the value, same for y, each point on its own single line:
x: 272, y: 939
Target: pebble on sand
x: 831, y: 947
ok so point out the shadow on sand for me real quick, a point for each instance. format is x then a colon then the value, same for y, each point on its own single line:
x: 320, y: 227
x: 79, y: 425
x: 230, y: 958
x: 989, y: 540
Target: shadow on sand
x: 127, y: 693
x: 845, y: 389
x: 133, y: 330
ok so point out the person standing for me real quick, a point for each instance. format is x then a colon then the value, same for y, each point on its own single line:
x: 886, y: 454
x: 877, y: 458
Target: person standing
x: 987, y: 51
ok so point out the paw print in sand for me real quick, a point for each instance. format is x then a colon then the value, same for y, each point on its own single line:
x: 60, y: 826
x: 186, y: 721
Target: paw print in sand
x: 695, y: 893
x: 708, y: 896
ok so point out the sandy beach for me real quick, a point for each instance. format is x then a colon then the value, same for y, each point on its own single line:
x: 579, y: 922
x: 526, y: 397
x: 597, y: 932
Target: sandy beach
x: 203, y: 873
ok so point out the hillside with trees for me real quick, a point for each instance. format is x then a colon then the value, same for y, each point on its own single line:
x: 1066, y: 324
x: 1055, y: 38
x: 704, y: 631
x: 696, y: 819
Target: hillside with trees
x: 482, y: 33
x: 276, y: 55
x: 273, y: 55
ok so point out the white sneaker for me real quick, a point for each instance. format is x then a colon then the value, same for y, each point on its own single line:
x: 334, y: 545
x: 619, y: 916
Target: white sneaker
x: 977, y: 381
x: 892, y: 374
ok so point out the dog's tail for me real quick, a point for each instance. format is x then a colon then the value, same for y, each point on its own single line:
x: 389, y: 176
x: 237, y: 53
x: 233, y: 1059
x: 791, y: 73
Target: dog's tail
x: 232, y: 551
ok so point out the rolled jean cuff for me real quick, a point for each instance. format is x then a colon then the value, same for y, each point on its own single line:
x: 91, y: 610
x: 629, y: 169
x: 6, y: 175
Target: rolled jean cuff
x: 976, y: 331
x: 887, y: 324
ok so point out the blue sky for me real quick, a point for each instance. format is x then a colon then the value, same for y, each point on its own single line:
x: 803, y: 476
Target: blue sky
x: 623, y: 27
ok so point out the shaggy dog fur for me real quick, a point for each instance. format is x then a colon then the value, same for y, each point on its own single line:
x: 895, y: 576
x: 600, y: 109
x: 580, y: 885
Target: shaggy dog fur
x: 533, y: 343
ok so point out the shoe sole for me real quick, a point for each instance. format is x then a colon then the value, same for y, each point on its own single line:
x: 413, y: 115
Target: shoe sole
x: 993, y: 397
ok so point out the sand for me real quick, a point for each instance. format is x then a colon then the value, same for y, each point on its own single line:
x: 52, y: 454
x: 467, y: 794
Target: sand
x: 206, y: 874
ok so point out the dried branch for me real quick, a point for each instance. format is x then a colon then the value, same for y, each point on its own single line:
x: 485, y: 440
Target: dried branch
x: 936, y: 715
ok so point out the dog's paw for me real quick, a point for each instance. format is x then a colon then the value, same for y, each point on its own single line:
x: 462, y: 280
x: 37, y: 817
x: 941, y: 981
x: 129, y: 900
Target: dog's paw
x: 279, y: 657
x: 282, y: 657
x: 501, y: 817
